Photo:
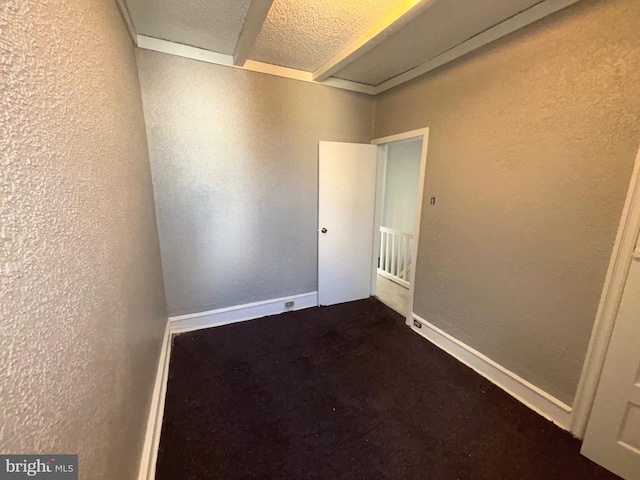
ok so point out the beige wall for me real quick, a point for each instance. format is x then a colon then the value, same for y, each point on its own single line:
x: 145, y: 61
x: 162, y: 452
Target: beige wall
x: 83, y: 309
x: 234, y: 156
x: 531, y: 148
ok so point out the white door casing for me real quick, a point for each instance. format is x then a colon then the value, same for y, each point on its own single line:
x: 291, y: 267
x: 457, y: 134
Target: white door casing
x: 346, y: 203
x: 382, y: 141
x: 612, y: 438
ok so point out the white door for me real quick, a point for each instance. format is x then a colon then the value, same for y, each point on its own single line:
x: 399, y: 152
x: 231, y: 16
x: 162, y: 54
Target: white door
x: 346, y: 204
x: 612, y: 438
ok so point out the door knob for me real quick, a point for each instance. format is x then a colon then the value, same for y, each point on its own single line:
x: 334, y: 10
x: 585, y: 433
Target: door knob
x: 324, y: 230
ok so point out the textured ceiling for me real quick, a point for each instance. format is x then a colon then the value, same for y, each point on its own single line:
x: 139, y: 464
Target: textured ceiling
x: 443, y: 25
x: 211, y: 24
x: 304, y: 34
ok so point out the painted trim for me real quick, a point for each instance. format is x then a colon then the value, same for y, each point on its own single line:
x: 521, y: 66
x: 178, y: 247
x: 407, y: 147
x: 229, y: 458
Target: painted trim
x: 416, y: 233
x: 191, y: 322
x: 621, y: 257
x: 402, y: 14
x: 253, y: 21
x: 154, y: 423
x: 533, y: 397
x: 128, y: 21
x: 400, y: 137
x: 240, y: 313
x: 186, y: 51
x: 522, y: 19
x: 381, y: 182
x: 202, y: 55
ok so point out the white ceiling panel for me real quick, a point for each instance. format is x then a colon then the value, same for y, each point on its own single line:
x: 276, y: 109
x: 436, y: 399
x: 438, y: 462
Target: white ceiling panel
x: 304, y: 34
x: 210, y: 24
x: 443, y: 25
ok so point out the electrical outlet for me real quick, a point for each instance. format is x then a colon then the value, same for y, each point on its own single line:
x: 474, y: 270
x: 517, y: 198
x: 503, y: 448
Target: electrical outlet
x: 288, y: 304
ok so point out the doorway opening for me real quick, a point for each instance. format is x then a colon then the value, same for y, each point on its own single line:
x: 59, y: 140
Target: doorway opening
x: 400, y: 183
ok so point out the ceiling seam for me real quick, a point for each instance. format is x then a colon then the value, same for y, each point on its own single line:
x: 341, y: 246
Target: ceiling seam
x: 208, y: 56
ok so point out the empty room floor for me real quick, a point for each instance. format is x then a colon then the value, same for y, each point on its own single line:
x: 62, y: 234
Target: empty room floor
x: 393, y: 295
x: 348, y: 392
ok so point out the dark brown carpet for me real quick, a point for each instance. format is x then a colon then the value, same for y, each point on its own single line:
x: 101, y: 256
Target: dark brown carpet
x: 346, y: 392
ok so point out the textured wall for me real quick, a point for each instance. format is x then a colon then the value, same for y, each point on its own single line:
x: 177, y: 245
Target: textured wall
x: 401, y: 185
x: 531, y: 148
x: 234, y: 156
x: 82, y: 305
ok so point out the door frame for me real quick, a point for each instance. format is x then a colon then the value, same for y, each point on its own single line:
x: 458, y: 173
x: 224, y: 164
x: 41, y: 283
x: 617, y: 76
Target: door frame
x: 383, y: 143
x: 619, y: 264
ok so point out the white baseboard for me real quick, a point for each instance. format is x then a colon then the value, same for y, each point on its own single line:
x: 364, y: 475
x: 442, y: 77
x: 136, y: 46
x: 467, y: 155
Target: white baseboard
x: 154, y: 424
x: 533, y: 397
x: 240, y: 313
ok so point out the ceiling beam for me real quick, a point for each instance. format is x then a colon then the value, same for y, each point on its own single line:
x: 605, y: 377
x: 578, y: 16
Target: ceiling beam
x: 510, y: 25
x: 256, y: 15
x: 207, y: 56
x: 393, y: 21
